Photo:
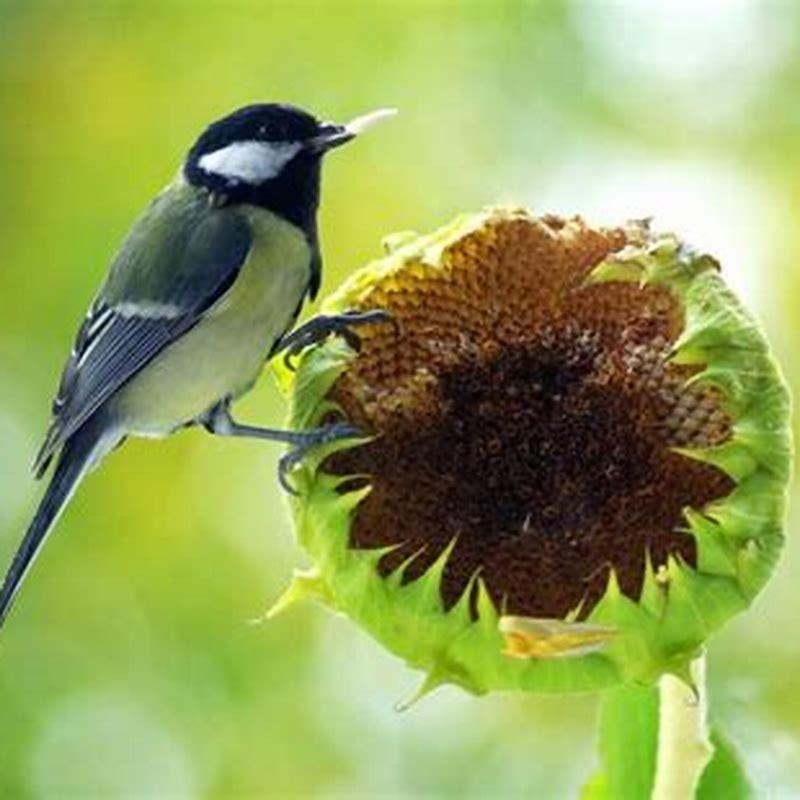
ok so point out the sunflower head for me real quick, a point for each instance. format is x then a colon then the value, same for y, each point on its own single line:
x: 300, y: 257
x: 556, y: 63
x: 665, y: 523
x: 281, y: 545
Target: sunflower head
x: 575, y: 458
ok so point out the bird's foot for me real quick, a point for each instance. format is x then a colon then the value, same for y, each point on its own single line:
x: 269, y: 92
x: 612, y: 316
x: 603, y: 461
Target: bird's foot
x: 319, y: 328
x: 304, y: 442
x: 219, y: 421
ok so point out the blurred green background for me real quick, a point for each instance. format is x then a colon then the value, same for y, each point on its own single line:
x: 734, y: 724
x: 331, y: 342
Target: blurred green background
x: 130, y: 667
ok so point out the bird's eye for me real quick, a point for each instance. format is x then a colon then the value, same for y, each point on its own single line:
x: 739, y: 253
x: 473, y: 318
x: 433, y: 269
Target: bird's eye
x: 262, y: 131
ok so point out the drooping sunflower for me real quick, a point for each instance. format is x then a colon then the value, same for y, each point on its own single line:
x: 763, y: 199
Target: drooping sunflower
x: 575, y: 457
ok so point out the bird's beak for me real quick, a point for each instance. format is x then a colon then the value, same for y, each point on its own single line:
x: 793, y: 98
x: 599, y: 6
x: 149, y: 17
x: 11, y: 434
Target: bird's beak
x: 331, y: 135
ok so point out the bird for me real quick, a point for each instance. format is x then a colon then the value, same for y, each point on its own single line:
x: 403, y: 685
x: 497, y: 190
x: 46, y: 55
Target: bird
x: 204, y: 289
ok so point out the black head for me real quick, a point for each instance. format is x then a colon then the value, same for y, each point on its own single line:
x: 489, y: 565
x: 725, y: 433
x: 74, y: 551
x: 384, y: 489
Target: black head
x: 269, y: 155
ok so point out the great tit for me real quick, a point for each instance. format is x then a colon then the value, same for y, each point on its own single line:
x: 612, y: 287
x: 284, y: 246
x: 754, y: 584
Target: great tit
x: 205, y: 288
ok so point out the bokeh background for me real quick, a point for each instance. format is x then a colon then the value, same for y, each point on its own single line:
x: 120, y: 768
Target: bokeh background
x: 130, y: 667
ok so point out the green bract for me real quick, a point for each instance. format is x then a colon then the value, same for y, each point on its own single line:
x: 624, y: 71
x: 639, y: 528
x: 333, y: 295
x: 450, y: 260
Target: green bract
x: 575, y: 460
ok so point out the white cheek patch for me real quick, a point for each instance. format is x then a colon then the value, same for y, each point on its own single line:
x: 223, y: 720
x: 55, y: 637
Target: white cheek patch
x: 249, y: 162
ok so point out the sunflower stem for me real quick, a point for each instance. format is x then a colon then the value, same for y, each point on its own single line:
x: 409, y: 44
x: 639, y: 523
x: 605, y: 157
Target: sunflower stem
x: 684, y: 747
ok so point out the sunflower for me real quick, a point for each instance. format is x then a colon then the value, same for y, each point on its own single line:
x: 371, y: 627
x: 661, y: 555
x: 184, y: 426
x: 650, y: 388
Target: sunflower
x: 575, y: 455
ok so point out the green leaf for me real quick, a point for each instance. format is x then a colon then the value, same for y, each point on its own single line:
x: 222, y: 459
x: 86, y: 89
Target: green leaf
x: 628, y: 739
x: 725, y: 775
x: 628, y: 742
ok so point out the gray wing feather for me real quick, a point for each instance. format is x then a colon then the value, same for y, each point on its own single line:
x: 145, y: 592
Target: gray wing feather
x: 178, y: 260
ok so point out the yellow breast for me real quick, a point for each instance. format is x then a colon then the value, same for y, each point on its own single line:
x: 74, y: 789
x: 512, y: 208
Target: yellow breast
x: 223, y: 354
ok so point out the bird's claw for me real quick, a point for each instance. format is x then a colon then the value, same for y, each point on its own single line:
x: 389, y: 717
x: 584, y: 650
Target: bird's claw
x: 308, y: 441
x: 319, y: 328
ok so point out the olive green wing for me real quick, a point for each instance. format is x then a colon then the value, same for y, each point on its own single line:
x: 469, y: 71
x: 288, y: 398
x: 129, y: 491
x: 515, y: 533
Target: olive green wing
x: 179, y: 258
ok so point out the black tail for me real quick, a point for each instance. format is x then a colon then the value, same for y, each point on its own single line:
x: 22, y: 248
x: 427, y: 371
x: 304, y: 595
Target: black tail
x: 75, y: 459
